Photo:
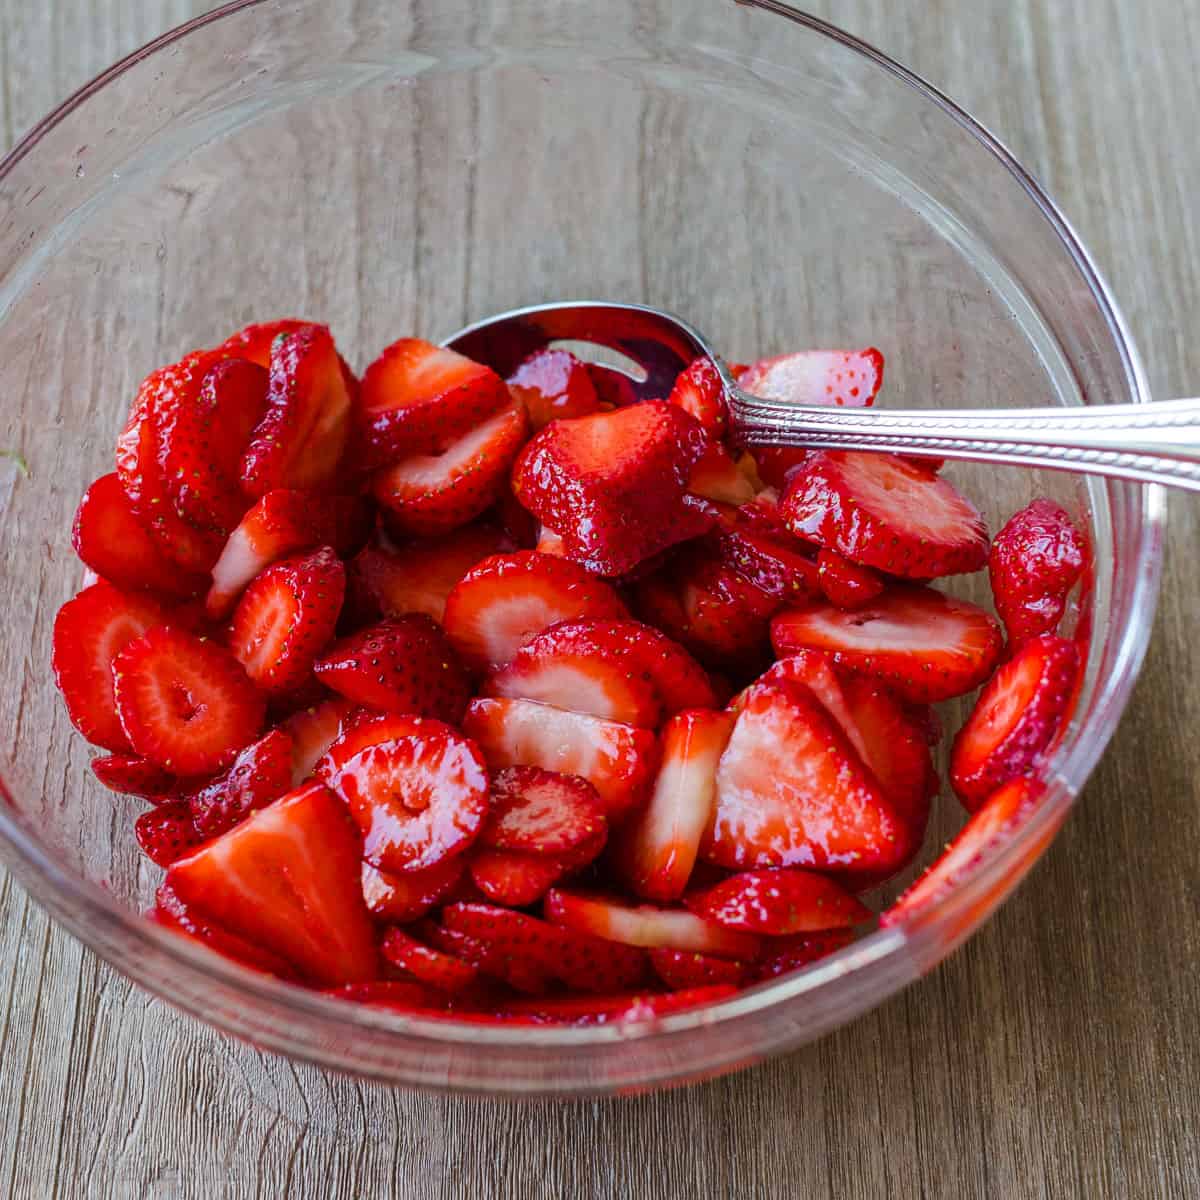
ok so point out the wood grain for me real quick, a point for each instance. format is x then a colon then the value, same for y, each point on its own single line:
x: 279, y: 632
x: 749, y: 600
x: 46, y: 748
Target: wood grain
x: 1054, y: 1056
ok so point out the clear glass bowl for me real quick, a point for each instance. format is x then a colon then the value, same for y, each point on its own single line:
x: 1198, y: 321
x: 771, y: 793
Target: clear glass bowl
x: 405, y: 169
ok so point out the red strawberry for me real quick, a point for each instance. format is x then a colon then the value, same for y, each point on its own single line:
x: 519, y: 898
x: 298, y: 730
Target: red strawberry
x: 791, y: 953
x: 849, y: 377
x: 924, y: 645
x: 617, y: 1009
x: 90, y: 631
x: 1036, y: 559
x: 287, y: 879
x: 1015, y: 718
x: 540, y: 811
x: 517, y: 522
x: 185, y: 704
x: 881, y: 511
x: 657, y: 850
x: 778, y: 901
x: 286, y: 617
x: 397, y: 994
x: 617, y: 760
x: 418, y: 796
x: 431, y: 494
x: 426, y: 965
x: 403, y: 664
x: 612, y: 483
x: 254, y: 342
x: 301, y: 437
x: 133, y: 776
x: 418, y: 399
x: 112, y: 541
x: 680, y: 969
x: 700, y: 392
x: 507, y: 599
x: 514, y: 878
x: 498, y: 959
x: 312, y: 731
x: 846, y: 584
x: 777, y: 464
x: 553, y: 384
x: 409, y: 895
x: 645, y: 925
x: 762, y: 551
x: 614, y: 389
x: 260, y: 773
x: 995, y: 821
x: 166, y: 833
x: 717, y: 477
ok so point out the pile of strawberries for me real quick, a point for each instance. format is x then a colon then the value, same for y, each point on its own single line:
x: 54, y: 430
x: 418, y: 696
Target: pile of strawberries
x: 525, y: 700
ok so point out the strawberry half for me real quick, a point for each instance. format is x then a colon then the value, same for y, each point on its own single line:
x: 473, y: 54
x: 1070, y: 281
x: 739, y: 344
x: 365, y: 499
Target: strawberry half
x: 541, y: 811
x: 428, y: 966
x: 167, y: 833
x: 699, y: 391
x: 507, y: 599
x: 286, y: 617
x: 680, y: 969
x: 408, y: 895
x: 553, y: 384
x: 260, y: 773
x: 184, y: 703
x: 881, y: 511
x: 779, y: 901
x: 842, y: 377
x: 847, y: 584
x: 287, y: 879
x: 788, y: 954
x: 1015, y: 718
x: 924, y: 645
x: 133, y: 776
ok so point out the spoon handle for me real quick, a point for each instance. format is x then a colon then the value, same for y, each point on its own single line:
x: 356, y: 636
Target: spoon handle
x: 1150, y: 443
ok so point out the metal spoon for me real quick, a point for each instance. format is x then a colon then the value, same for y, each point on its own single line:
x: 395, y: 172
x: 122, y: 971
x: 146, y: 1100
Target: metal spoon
x: 1150, y: 443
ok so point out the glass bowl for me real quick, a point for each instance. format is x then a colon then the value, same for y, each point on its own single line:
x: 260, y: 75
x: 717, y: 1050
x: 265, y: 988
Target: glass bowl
x: 397, y: 168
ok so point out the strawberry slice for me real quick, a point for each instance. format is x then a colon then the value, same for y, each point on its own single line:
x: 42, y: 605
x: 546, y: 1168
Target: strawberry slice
x: 426, y: 495
x: 184, y: 703
x: 785, y: 955
x: 759, y: 548
x: 924, y: 645
x: 418, y: 399
x: 777, y: 464
x: 718, y: 477
x: 300, y: 439
x: 617, y: 760
x: 1015, y: 718
x: 507, y: 599
x: 612, y: 484
x: 403, y: 664
x: 286, y: 617
x: 1036, y: 559
x: 682, y: 969
x: 614, y: 389
x: 399, y: 995
x: 133, y: 776
x: 647, y: 926
x: 110, y: 539
x: 312, y: 731
x: 553, y: 384
x: 699, y: 391
x: 409, y: 895
x: 254, y: 342
x: 994, y: 822
x: 90, y: 631
x: 616, y: 1009
x: 494, y: 958
x: 842, y: 377
x: 287, y: 879
x: 779, y: 901
x: 260, y: 773
x: 656, y: 851
x: 847, y: 584
x: 167, y: 833
x: 517, y: 879
x: 540, y: 811
x: 517, y: 522
x: 881, y: 511
x: 431, y: 967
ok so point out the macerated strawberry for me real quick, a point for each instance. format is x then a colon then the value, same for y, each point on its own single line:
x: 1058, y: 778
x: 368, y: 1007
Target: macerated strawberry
x: 90, y: 631
x: 254, y: 342
x: 718, y: 477
x: 542, y: 811
x: 399, y: 995
x: 613, y: 1009
x: 434, y: 968
x: 286, y: 617
x: 430, y: 494
x: 313, y: 730
x: 880, y: 511
x: 496, y: 958
x: 408, y: 895
x: 110, y: 539
x: 847, y: 584
x: 655, y: 852
x: 513, y: 877
x: 778, y: 901
x: 791, y: 953
x: 612, y: 484
x: 1035, y: 560
x: 680, y: 969
x: 699, y: 391
x: 262, y: 772
x: 507, y: 599
x: 841, y: 377
x: 184, y: 703
x: 617, y: 760
x: 133, y: 776
x: 777, y: 464
x: 614, y: 389
x: 167, y: 832
x: 287, y: 879
x: 1015, y: 718
x: 926, y: 646
x: 762, y: 551
x: 553, y: 384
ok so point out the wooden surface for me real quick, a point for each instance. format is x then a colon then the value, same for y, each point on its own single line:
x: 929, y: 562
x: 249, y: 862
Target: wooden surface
x: 1054, y: 1056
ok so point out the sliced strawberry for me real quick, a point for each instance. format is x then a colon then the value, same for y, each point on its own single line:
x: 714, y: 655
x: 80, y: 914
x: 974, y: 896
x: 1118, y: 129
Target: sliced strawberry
x: 680, y: 969
x: 287, y: 879
x: 752, y: 543
x: 185, y: 703
x: 552, y: 384
x: 617, y: 760
x: 700, y: 392
x: 418, y: 399
x: 167, y: 833
x: 779, y: 901
x: 847, y: 584
x: 656, y: 851
x: 431, y: 494
x: 507, y: 599
x: 1015, y: 718
x: 881, y: 511
x: 614, y: 1009
x: 408, y: 895
x: 313, y: 730
x: 301, y: 437
x: 110, y: 539
x: 260, y: 774
x: 614, y: 389
x: 514, y: 878
x: 924, y: 645
x: 517, y: 522
x: 612, y: 483
x: 1036, y: 559
x: 286, y: 617
x: 431, y: 967
x: 403, y: 664
x: 841, y: 377
x: 777, y: 464
x: 540, y: 811
x: 90, y: 631
x: 133, y: 776
x: 993, y: 823
x: 397, y: 994
x: 791, y: 953
x: 495, y: 958
x: 717, y: 477
x: 254, y: 342
x: 645, y: 925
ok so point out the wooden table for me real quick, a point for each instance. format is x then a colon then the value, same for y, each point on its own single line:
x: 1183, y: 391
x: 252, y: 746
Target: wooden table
x: 1054, y: 1056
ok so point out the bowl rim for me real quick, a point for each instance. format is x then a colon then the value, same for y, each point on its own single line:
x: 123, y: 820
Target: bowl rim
x: 65, y: 893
